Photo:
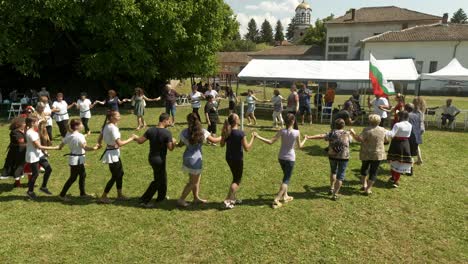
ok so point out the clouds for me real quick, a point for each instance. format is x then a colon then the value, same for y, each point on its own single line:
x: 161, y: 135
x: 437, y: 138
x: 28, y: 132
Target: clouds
x: 272, y: 11
x: 244, y: 20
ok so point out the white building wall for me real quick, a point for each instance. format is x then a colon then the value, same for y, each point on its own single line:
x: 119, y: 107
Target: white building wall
x: 440, y: 51
x: 359, y: 31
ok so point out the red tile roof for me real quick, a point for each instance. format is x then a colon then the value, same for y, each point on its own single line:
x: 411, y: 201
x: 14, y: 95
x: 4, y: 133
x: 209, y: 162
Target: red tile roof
x: 384, y: 14
x: 234, y: 57
x: 433, y: 32
x: 290, y: 50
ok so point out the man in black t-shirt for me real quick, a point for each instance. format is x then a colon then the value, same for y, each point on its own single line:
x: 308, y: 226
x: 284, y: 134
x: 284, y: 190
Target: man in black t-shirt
x: 161, y: 140
x: 211, y: 114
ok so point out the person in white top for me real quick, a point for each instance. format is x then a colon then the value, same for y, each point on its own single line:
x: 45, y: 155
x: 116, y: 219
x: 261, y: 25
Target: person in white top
x: 111, y: 136
x: 60, y: 108
x: 212, y: 92
x: 195, y: 98
x: 379, y: 105
x: 35, y: 157
x: 290, y: 138
x: 84, y: 105
x: 77, y: 144
x: 277, y: 101
x: 47, y: 114
x: 449, y: 112
x: 399, y: 152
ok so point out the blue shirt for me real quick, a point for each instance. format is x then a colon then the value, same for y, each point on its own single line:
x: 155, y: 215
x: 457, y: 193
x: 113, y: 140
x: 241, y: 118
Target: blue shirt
x: 304, y: 97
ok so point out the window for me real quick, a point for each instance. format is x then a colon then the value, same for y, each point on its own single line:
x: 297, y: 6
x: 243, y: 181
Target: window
x: 337, y: 48
x: 419, y: 66
x: 337, y: 56
x: 338, y: 40
x: 433, y: 66
x: 404, y: 26
x: 375, y: 34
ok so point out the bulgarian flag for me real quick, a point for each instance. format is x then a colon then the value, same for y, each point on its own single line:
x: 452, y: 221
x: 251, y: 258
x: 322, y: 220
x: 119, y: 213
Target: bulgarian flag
x: 380, y: 85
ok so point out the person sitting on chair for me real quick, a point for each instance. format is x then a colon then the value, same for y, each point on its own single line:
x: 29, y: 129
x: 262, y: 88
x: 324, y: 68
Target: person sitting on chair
x: 449, y: 112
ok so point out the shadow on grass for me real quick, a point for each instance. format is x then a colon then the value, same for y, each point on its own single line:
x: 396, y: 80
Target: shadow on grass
x: 314, y: 150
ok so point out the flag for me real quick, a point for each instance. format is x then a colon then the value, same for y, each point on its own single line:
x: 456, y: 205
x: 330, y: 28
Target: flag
x: 380, y: 85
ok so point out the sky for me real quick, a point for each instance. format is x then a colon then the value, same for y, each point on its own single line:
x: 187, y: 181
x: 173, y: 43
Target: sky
x: 274, y: 10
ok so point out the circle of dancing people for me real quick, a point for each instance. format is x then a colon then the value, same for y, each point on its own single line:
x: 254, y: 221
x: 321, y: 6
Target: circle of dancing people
x: 30, y: 141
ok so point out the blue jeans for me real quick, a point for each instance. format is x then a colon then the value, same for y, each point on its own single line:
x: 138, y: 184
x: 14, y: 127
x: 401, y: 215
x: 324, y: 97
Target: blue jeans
x: 338, y: 167
x: 287, y: 166
x: 171, y: 110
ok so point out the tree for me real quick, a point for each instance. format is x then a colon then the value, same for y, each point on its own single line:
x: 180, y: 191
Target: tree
x: 252, y: 31
x: 266, y: 33
x: 135, y: 41
x: 239, y: 45
x: 459, y: 17
x: 290, y: 30
x: 317, y: 34
x: 279, y: 34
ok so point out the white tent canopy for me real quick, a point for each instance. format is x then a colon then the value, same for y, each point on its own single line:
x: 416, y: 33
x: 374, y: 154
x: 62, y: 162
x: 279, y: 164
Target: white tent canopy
x: 454, y: 71
x: 395, y: 70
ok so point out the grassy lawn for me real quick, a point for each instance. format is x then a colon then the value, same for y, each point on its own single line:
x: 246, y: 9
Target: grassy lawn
x: 422, y: 221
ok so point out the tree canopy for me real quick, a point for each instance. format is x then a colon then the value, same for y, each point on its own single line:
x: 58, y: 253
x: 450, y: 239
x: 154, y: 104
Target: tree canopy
x: 459, y: 17
x: 101, y: 39
x: 252, y: 31
x: 266, y: 32
x: 290, y: 30
x: 279, y: 35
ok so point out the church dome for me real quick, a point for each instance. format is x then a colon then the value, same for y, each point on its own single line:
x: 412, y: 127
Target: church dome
x: 303, y: 6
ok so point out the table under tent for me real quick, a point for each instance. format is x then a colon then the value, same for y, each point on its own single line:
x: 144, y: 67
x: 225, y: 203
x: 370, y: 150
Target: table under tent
x: 327, y: 71
x: 453, y: 71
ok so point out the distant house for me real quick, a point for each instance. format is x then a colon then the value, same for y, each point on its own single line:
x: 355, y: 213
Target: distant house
x: 344, y: 33
x: 230, y: 64
x: 290, y: 52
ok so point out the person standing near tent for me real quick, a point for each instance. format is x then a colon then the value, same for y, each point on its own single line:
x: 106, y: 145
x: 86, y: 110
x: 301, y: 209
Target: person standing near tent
x: 304, y: 103
x: 160, y: 140
x: 277, y: 101
x: 399, y: 152
x: 329, y: 96
x: 290, y: 137
x: 232, y: 97
x: 293, y: 104
x: 318, y: 101
x: 250, y: 99
x: 195, y: 98
x: 379, y: 105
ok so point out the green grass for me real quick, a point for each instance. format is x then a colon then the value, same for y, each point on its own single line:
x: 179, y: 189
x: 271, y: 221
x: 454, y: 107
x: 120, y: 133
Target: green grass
x: 423, y: 221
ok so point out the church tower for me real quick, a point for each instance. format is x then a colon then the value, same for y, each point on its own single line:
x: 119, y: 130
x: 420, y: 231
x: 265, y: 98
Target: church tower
x: 301, y: 20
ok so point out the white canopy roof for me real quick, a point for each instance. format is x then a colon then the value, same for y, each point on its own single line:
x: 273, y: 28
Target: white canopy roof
x: 454, y: 71
x: 396, y: 70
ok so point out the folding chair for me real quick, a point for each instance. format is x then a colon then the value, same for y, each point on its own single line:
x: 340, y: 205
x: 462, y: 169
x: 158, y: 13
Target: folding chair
x: 15, y: 110
x: 327, y: 114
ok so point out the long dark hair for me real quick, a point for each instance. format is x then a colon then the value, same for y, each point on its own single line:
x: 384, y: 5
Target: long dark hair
x: 195, y: 130
x: 30, y: 120
x: 290, y: 118
x: 227, y: 127
x: 16, y: 123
